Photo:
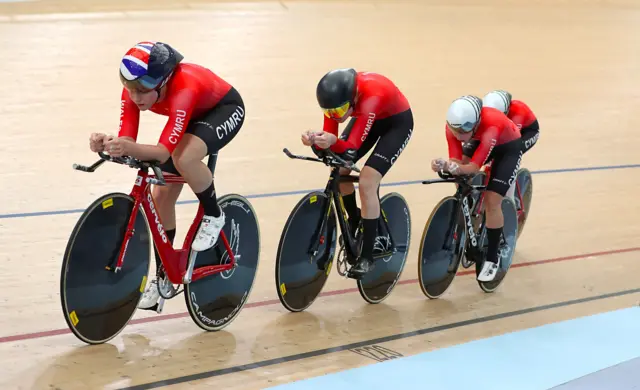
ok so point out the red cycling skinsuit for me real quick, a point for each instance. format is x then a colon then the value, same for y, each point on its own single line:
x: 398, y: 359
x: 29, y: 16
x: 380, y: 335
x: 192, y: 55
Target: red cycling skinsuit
x: 382, y: 117
x: 198, y: 102
x: 525, y: 119
x: 497, y: 138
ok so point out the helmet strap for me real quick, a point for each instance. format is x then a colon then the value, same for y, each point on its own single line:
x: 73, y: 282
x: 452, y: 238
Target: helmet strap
x: 162, y: 84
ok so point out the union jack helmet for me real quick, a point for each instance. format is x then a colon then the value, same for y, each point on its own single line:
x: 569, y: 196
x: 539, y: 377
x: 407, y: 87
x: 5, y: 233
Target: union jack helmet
x: 148, y: 65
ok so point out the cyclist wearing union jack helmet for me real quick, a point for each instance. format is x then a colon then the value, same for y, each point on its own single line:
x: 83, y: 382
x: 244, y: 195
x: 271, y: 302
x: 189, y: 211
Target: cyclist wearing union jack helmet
x: 204, y: 114
x: 149, y: 66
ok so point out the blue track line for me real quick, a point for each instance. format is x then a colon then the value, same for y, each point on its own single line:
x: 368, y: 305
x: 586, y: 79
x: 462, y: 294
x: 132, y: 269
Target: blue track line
x: 298, y: 192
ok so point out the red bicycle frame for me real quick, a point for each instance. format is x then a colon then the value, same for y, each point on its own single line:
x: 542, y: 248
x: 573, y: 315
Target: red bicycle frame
x: 174, y: 261
x: 487, y: 171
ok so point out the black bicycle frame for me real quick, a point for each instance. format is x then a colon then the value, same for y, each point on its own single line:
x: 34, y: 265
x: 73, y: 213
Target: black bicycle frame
x: 332, y: 190
x: 463, y: 195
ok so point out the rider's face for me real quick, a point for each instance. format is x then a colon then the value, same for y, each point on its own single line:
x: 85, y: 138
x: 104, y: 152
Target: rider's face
x: 144, y: 99
x: 463, y: 137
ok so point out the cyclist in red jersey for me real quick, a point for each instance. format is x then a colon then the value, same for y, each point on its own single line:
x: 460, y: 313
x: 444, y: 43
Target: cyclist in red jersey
x: 518, y: 112
x: 204, y: 114
x: 521, y: 115
x: 498, y: 140
x: 381, y: 117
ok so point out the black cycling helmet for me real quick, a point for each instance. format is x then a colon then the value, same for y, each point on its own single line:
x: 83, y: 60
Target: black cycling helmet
x: 336, y: 88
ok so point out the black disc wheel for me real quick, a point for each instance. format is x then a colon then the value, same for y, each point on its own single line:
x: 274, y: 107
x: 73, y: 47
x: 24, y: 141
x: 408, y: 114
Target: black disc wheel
x: 390, y: 249
x: 214, y: 301
x: 306, y: 252
x: 97, y: 302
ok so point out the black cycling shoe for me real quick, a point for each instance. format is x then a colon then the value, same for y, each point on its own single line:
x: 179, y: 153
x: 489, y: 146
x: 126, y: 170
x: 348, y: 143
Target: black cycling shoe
x: 363, y: 265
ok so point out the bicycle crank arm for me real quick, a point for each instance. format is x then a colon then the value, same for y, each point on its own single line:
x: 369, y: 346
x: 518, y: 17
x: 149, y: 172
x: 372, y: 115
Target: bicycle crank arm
x: 160, y: 305
x: 385, y: 254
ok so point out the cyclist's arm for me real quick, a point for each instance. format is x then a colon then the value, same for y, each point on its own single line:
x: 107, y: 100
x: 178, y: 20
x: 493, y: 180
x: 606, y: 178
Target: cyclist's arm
x: 182, y: 105
x: 488, y: 141
x: 361, y: 127
x: 470, y: 166
x: 454, y: 146
x: 330, y: 126
x: 148, y: 152
x: 129, y: 118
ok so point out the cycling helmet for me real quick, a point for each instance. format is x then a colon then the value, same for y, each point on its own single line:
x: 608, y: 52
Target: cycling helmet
x: 148, y: 65
x: 463, y: 115
x: 498, y: 99
x: 336, y: 92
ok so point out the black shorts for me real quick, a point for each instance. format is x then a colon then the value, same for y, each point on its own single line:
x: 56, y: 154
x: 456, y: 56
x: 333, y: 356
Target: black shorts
x: 505, y: 162
x: 530, y: 135
x: 389, y: 135
x: 216, y: 128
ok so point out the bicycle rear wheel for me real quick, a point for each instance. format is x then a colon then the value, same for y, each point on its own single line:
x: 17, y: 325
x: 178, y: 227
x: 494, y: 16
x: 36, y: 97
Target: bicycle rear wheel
x: 378, y: 283
x: 525, y: 183
x: 216, y: 300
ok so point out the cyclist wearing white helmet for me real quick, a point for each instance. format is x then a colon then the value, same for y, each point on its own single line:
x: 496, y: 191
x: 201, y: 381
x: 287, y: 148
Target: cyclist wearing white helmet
x: 499, y: 141
x: 518, y: 112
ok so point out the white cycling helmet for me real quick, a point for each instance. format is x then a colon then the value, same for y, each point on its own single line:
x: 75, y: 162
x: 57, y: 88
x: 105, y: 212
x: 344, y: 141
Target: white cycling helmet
x: 498, y: 99
x: 464, y: 114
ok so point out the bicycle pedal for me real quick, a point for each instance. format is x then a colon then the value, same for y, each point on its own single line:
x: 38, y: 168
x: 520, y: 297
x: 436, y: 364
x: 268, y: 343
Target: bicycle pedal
x: 355, y: 276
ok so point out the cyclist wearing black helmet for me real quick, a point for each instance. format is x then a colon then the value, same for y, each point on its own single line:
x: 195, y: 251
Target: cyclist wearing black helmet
x: 381, y: 117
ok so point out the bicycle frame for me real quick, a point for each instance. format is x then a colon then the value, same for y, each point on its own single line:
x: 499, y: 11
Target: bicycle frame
x: 467, y: 211
x: 174, y: 261
x: 332, y: 190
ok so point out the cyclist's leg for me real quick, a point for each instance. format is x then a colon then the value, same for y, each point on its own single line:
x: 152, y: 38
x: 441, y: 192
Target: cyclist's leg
x: 347, y: 189
x: 165, y: 198
x: 386, y: 152
x: 529, y: 136
x: 206, y: 136
x: 503, y: 173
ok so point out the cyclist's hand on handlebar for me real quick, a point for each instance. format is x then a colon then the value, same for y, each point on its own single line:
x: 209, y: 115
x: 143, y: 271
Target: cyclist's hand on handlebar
x: 96, y: 142
x: 453, y: 167
x: 325, y: 140
x: 117, y: 147
x: 438, y: 164
x: 308, y: 137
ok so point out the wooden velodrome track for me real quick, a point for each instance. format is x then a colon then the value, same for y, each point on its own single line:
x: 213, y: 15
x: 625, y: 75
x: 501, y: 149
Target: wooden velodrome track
x: 576, y: 63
